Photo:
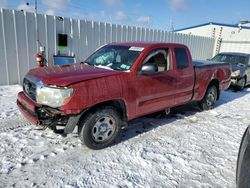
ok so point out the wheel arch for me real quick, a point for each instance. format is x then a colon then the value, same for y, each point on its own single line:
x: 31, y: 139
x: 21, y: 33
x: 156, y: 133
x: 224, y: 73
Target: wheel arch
x: 118, y: 104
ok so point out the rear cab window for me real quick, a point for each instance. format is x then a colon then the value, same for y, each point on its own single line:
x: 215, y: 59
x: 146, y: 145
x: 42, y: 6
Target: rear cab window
x: 181, y: 58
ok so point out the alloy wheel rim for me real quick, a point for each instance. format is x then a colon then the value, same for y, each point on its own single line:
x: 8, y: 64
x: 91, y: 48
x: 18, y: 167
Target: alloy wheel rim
x: 211, y: 97
x: 103, y: 129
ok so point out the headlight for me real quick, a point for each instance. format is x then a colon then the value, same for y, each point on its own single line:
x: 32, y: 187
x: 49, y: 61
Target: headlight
x: 235, y: 73
x: 53, y: 96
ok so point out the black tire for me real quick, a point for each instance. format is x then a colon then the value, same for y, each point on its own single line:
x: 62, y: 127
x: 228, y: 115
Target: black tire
x: 243, y: 162
x: 239, y: 161
x: 92, y: 124
x: 241, y: 84
x: 209, y: 99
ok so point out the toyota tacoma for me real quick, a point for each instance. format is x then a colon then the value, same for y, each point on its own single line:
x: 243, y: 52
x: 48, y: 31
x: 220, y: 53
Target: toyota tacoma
x: 117, y: 83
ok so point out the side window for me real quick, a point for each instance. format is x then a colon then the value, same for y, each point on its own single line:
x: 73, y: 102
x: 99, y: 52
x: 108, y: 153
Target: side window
x: 181, y: 58
x: 241, y: 60
x: 159, y: 58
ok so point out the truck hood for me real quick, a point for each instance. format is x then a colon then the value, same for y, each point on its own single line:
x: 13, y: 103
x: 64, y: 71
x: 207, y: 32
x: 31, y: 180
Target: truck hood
x: 65, y: 75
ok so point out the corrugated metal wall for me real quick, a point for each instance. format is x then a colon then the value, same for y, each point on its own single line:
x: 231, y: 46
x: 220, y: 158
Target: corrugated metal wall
x: 235, y: 45
x: 18, y: 40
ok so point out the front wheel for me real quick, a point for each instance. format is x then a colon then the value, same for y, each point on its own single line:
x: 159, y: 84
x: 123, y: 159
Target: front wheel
x: 209, y: 99
x: 100, y: 128
x: 241, y: 84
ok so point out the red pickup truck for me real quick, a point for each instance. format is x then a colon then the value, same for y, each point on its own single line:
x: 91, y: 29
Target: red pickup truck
x: 117, y: 83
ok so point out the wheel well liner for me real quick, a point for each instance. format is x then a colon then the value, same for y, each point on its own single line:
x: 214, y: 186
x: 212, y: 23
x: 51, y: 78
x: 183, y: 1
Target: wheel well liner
x: 118, y: 104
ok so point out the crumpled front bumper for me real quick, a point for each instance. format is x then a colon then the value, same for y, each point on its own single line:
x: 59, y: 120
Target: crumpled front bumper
x: 45, y: 116
x: 36, y: 113
x: 27, y: 107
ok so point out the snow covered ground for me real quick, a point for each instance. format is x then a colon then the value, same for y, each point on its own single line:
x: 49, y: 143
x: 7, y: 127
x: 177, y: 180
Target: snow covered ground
x: 185, y: 149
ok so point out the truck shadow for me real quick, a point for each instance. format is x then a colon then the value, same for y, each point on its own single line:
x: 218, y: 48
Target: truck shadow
x: 230, y: 94
x: 149, y: 122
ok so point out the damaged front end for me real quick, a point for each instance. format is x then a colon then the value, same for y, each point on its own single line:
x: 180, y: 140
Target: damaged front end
x: 51, y: 118
x: 38, y: 103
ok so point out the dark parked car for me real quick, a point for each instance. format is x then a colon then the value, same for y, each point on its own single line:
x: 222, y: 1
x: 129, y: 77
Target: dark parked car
x: 240, y: 63
x: 243, y: 162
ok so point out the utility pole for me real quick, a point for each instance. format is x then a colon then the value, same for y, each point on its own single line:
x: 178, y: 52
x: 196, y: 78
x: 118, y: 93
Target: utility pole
x: 36, y: 6
x: 37, y: 32
x: 171, y: 26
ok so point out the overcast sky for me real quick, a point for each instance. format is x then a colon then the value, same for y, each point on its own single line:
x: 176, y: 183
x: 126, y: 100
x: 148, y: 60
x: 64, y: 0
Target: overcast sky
x: 149, y: 13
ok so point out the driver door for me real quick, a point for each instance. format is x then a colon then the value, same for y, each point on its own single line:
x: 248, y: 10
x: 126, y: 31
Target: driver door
x: 156, y: 91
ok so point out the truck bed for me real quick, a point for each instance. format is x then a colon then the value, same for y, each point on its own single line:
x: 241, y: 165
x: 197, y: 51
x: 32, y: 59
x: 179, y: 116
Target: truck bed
x: 207, y: 70
x: 200, y: 63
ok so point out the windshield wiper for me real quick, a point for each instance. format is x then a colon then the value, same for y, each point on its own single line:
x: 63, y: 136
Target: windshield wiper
x: 87, y: 63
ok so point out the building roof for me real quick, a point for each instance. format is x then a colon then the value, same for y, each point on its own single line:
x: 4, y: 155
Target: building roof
x: 212, y: 23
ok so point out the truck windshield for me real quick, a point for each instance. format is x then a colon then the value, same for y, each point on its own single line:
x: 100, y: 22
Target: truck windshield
x: 232, y: 59
x: 115, y: 57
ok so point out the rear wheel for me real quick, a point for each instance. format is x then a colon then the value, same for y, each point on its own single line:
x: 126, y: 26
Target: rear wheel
x: 100, y: 128
x: 209, y: 99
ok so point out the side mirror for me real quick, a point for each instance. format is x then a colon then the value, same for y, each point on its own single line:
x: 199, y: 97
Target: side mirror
x: 149, y: 69
x: 208, y: 59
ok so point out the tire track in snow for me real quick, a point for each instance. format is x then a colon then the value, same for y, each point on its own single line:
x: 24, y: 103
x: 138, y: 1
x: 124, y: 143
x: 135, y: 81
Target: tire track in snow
x: 57, y: 145
x: 26, y: 157
x: 11, y: 124
x: 29, y: 144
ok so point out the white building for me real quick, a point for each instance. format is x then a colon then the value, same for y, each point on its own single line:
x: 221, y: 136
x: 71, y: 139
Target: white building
x: 229, y: 37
